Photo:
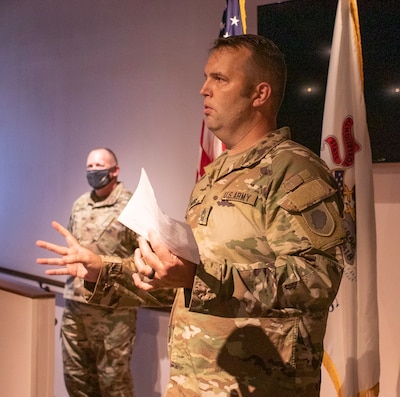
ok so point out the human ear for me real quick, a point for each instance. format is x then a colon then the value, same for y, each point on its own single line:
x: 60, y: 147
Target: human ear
x: 114, y: 173
x: 262, y: 94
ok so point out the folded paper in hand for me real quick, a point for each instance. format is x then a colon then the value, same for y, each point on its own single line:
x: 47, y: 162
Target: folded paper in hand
x: 142, y: 214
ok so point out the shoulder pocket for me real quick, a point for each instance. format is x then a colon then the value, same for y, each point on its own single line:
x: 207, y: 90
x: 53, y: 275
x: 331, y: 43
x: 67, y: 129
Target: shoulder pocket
x: 313, y: 204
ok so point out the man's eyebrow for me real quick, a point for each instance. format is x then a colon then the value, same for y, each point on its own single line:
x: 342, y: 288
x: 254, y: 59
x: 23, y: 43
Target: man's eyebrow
x: 216, y: 74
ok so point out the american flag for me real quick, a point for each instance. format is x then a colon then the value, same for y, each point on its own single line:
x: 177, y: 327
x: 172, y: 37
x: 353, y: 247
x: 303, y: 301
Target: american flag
x: 233, y: 23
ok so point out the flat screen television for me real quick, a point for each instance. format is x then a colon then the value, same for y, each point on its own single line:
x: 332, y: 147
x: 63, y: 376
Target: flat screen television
x: 303, y: 30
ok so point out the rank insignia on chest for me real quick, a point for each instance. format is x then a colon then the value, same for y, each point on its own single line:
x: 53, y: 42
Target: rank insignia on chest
x: 203, y: 218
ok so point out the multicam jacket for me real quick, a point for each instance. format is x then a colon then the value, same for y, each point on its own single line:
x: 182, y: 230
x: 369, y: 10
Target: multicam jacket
x: 95, y: 225
x: 268, y: 225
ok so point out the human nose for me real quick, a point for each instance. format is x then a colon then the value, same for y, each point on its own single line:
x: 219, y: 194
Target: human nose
x: 205, y: 90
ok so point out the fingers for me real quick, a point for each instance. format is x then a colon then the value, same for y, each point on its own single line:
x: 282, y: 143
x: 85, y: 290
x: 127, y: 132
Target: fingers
x: 140, y: 283
x: 71, y: 240
x: 157, y: 246
x: 64, y: 261
x: 155, y: 254
x: 146, y: 251
x: 141, y: 264
x: 58, y: 249
x: 60, y: 229
x: 50, y: 261
x: 155, y: 259
x: 152, y: 274
x: 58, y: 272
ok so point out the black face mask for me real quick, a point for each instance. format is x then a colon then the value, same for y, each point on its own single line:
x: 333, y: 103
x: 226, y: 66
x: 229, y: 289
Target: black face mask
x: 98, y: 178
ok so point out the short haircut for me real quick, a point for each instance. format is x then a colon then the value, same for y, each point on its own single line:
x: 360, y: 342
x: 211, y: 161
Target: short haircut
x: 268, y: 62
x: 109, y: 151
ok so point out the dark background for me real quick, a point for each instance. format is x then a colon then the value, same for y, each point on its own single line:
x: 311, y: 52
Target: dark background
x: 303, y: 29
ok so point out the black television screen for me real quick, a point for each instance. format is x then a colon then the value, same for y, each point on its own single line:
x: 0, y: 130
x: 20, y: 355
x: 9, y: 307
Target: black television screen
x: 303, y: 30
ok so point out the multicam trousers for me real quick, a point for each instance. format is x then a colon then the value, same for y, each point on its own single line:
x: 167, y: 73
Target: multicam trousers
x: 97, y: 346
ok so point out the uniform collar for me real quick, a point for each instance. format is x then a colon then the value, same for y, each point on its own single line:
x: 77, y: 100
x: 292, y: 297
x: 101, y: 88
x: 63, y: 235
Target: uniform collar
x: 217, y: 170
x: 110, y: 200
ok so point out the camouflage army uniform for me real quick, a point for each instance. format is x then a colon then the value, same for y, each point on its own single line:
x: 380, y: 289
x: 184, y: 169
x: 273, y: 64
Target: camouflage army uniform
x: 97, y: 340
x: 268, y: 226
x: 269, y: 229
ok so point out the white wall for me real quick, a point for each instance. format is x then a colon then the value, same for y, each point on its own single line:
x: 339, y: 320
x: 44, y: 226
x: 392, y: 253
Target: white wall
x: 76, y: 74
x: 387, y: 212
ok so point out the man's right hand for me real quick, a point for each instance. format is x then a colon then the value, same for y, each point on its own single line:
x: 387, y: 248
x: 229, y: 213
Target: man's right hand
x: 75, y: 260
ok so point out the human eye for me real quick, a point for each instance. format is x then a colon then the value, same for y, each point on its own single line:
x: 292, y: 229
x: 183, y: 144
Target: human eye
x: 220, y: 78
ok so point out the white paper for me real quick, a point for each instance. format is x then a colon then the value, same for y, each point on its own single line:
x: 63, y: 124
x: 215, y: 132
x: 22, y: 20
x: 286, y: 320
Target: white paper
x: 142, y: 214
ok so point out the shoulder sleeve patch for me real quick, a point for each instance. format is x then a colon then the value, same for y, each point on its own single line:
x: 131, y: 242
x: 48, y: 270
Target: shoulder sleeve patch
x: 313, y: 205
x: 319, y: 219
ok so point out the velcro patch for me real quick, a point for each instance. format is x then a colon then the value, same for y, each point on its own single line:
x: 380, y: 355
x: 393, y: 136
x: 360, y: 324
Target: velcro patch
x: 306, y: 195
x: 243, y: 197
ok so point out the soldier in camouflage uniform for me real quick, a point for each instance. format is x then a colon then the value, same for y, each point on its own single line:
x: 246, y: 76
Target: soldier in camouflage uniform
x: 250, y: 318
x: 267, y: 220
x: 97, y: 340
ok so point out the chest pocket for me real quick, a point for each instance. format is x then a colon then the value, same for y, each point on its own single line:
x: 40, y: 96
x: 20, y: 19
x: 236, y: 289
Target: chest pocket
x: 107, y: 237
x: 104, y: 226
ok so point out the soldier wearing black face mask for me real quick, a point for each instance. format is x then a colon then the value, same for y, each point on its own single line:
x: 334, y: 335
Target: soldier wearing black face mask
x: 99, y: 178
x: 96, y: 341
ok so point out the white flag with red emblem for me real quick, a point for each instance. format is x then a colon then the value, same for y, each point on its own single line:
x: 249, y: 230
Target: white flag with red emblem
x: 351, y: 343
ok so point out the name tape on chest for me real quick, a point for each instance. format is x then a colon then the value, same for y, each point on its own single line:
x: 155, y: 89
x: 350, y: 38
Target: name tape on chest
x: 243, y: 197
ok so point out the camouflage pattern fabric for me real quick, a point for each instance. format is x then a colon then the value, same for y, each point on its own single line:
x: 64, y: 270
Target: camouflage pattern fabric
x: 268, y: 223
x: 100, y: 342
x: 97, y: 342
x: 95, y: 225
x: 115, y: 287
x: 269, y: 228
